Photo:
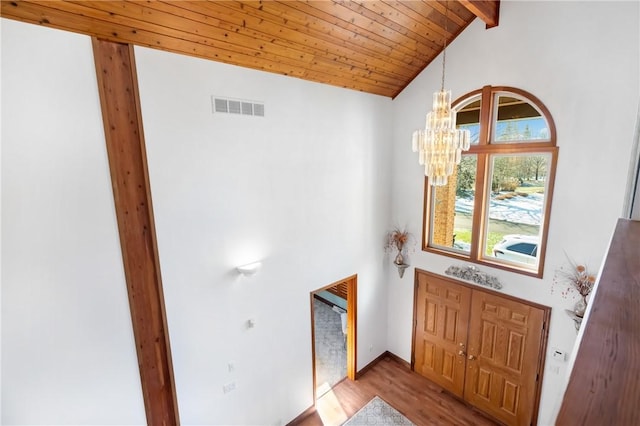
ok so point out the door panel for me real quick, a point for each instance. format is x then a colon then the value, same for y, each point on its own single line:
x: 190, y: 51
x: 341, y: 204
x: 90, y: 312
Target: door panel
x: 442, y: 316
x: 504, y: 346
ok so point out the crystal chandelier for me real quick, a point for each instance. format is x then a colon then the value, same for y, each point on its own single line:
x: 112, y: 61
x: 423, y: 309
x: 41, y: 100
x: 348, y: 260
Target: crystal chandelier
x: 440, y: 143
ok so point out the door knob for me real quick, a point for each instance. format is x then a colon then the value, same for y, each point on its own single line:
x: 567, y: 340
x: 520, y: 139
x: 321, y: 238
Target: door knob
x: 462, y: 353
x: 472, y: 357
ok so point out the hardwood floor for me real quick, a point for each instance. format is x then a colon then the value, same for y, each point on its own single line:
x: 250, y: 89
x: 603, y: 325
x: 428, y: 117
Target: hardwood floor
x: 421, y: 401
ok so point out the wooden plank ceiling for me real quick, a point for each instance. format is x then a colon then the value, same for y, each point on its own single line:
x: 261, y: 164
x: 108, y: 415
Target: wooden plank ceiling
x: 371, y: 46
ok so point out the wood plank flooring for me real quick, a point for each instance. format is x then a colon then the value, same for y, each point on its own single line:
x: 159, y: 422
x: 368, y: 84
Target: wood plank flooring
x: 421, y: 401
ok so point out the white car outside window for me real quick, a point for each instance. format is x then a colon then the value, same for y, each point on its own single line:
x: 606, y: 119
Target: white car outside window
x: 518, y: 248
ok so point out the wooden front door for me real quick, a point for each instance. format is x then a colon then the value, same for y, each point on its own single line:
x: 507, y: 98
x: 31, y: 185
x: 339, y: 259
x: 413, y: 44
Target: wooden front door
x: 442, y: 317
x: 505, y: 338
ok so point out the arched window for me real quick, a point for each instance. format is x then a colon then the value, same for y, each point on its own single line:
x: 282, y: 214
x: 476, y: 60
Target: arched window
x: 495, y: 208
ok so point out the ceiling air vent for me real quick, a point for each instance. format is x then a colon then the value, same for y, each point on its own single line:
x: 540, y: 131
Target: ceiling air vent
x: 247, y: 108
x: 220, y: 105
x: 258, y: 110
x: 237, y: 106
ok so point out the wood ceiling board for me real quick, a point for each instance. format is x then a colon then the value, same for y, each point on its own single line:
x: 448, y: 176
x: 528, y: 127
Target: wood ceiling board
x: 302, y: 34
x: 362, y: 40
x: 377, y: 47
x: 135, y: 15
x: 331, y: 39
x: 374, y: 34
x: 44, y: 15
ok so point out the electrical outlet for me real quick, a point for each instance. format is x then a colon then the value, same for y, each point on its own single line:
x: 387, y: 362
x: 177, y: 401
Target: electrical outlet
x: 231, y: 367
x: 229, y: 387
x: 370, y: 348
x: 555, y: 369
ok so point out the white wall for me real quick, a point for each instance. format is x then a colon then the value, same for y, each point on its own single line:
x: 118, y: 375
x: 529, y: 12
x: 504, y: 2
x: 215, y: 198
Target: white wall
x: 588, y: 80
x: 68, y: 355
x: 304, y: 189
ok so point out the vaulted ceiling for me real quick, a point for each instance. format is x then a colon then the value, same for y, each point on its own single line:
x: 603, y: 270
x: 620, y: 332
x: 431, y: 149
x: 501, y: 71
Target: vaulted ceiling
x: 377, y: 47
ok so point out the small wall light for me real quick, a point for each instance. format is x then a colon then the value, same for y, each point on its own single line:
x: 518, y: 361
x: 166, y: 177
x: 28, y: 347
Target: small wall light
x: 249, y: 268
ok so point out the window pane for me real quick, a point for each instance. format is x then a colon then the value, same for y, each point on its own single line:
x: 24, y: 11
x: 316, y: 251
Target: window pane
x: 516, y: 208
x: 518, y: 120
x: 468, y: 117
x: 452, y: 208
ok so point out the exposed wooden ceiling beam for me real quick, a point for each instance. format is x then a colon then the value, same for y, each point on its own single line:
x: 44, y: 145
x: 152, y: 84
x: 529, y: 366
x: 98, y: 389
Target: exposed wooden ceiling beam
x: 487, y: 10
x: 120, y: 103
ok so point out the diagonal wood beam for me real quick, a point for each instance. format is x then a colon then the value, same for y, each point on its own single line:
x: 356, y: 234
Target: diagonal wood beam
x: 120, y: 103
x: 487, y: 10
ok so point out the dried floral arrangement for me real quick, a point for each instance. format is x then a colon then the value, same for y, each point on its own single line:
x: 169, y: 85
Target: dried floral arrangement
x: 397, y: 239
x: 577, y: 279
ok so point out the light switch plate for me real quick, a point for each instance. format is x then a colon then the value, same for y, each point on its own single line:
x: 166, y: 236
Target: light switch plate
x: 558, y: 355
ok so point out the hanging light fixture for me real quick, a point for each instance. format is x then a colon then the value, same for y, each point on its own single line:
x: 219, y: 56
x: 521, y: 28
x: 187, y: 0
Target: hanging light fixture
x: 440, y: 144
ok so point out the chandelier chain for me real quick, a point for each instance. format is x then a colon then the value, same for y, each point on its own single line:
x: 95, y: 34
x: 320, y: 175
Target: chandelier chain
x: 444, y: 44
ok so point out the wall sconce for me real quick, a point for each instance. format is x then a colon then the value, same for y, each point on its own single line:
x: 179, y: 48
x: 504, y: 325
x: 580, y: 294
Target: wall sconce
x: 249, y: 268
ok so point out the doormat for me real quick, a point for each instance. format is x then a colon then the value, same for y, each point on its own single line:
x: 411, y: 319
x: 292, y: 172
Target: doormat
x: 377, y: 412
